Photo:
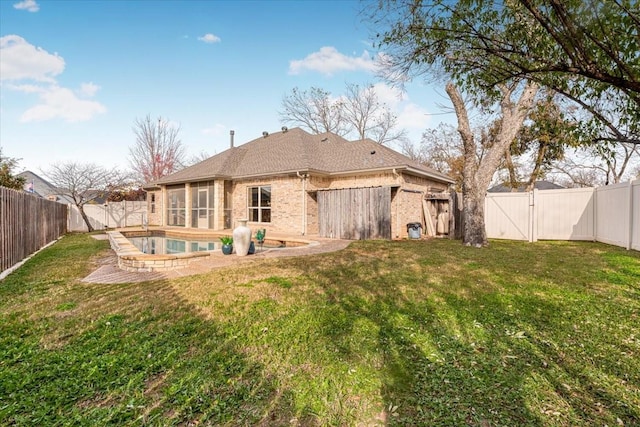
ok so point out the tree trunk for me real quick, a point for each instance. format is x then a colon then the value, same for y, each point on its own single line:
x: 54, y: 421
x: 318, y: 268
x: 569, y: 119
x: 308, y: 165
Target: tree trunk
x: 513, y: 179
x: 477, y: 175
x: 535, y: 173
x: 85, y: 217
x: 474, y: 231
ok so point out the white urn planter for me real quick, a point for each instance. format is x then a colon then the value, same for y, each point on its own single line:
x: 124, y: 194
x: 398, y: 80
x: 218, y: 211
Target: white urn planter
x: 242, y: 238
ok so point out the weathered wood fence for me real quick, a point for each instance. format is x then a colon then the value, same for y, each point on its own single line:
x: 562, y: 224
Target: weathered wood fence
x: 355, y: 213
x: 27, y: 223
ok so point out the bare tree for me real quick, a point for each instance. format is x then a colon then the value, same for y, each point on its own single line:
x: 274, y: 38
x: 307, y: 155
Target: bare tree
x: 441, y: 149
x: 599, y: 165
x: 368, y: 117
x: 197, y: 158
x: 477, y: 175
x: 158, y: 151
x: 83, y: 182
x: 313, y: 110
x: 358, y: 113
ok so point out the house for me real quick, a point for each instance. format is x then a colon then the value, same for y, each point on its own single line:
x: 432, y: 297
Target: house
x: 538, y: 185
x: 39, y: 186
x: 297, y: 183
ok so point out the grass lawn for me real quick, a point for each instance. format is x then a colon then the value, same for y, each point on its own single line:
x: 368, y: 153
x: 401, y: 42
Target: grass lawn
x: 383, y: 333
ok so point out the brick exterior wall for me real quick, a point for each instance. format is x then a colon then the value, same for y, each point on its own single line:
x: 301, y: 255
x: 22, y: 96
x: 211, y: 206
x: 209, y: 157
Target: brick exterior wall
x: 154, y: 213
x: 290, y: 194
x: 286, y: 204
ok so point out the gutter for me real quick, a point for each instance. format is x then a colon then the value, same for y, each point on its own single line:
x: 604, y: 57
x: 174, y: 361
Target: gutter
x: 438, y: 176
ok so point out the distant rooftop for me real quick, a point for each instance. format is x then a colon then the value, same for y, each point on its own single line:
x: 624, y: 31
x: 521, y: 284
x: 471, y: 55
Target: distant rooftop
x: 538, y: 185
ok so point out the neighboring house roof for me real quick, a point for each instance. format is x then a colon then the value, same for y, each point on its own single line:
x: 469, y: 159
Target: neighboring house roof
x: 538, y: 185
x: 39, y: 186
x: 294, y: 151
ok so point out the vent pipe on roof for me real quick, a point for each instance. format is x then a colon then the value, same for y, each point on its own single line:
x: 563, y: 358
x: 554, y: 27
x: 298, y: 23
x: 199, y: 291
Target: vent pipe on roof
x: 231, y: 133
x: 265, y: 134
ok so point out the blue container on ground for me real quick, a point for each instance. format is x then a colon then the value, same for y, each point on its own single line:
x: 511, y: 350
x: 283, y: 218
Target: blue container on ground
x: 414, y: 229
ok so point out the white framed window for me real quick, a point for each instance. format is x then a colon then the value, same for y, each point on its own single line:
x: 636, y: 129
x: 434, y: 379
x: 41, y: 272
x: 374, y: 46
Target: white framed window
x: 259, y: 203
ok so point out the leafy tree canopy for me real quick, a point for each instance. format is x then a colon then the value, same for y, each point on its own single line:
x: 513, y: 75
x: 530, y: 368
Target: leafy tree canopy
x: 586, y: 50
x: 7, y: 177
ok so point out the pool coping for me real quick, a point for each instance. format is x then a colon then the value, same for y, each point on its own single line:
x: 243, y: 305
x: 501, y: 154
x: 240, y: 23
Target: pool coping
x: 131, y: 259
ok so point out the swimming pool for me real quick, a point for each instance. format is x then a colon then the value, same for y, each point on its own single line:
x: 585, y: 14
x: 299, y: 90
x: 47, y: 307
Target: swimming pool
x: 172, y: 250
x: 158, y: 244
x: 170, y: 245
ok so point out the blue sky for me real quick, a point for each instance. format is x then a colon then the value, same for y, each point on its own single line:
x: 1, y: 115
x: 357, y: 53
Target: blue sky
x: 75, y: 75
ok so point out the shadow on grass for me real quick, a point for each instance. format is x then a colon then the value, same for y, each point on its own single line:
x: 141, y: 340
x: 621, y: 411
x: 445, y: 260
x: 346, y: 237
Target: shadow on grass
x: 135, y: 354
x: 536, y: 341
x: 516, y: 334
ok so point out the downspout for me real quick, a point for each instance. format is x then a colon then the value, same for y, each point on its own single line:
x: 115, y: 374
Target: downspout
x: 396, y: 175
x: 304, y: 201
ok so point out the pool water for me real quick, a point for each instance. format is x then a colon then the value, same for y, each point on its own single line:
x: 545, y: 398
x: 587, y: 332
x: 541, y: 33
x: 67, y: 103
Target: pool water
x: 163, y: 245
x: 171, y: 245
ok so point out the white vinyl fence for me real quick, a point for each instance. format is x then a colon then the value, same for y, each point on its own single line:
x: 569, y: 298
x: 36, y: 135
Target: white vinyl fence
x: 111, y: 215
x: 608, y: 214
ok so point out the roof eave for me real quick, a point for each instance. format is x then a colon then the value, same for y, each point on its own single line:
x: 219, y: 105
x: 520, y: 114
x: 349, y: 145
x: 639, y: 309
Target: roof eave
x: 438, y: 176
x: 404, y: 168
x: 193, y: 179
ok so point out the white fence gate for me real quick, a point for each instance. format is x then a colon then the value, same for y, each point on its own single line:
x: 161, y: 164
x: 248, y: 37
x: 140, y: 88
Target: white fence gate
x: 608, y: 214
x: 111, y: 215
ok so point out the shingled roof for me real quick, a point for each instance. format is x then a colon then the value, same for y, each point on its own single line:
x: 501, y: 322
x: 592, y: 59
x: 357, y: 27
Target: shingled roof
x: 294, y: 151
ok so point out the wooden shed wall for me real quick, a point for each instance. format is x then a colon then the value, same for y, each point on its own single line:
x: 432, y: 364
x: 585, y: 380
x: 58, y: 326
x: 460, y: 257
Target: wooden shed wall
x: 355, y: 213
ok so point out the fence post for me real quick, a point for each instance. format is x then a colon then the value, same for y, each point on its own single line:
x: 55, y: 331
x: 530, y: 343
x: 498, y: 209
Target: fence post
x: 595, y: 214
x: 630, y: 218
x: 533, y: 217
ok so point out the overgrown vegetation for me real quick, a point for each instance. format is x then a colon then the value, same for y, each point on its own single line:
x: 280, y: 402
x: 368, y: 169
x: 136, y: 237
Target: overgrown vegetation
x: 393, y: 333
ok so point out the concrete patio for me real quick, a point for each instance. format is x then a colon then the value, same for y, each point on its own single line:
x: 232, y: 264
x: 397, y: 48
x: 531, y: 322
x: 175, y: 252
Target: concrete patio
x: 108, y: 271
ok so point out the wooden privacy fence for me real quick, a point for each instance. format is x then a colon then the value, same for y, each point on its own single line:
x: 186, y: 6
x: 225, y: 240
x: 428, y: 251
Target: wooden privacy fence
x: 355, y: 213
x: 27, y: 223
x: 608, y: 214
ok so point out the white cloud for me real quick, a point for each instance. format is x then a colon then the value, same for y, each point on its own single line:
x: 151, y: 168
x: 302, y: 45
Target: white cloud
x: 209, y: 38
x: 410, y: 115
x: 61, y: 103
x: 329, y: 61
x: 89, y: 89
x: 26, y: 88
x: 21, y: 60
x: 29, y: 5
x: 413, y: 116
x: 389, y: 95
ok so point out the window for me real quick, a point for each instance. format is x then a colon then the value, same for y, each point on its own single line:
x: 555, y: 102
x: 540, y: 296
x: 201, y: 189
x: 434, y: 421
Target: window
x: 260, y: 204
x: 153, y: 202
x: 176, y: 206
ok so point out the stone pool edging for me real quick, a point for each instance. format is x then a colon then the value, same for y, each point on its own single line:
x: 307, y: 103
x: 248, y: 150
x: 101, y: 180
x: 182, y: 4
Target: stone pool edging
x: 132, y: 259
